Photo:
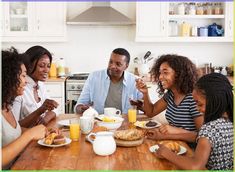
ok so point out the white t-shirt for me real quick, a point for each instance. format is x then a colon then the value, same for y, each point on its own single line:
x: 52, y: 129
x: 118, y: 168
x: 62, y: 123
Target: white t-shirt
x: 9, y: 133
x: 26, y: 104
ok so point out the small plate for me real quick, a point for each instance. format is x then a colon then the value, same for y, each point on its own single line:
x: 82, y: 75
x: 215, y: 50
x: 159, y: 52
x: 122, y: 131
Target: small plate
x: 64, y: 122
x: 142, y: 124
x: 67, y: 141
x: 155, y: 147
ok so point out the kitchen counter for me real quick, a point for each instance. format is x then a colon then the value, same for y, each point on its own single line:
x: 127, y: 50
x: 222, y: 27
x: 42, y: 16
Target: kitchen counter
x: 55, y: 79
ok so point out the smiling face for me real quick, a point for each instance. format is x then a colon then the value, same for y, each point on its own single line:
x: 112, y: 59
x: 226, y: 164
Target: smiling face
x: 42, y: 69
x: 22, y: 78
x: 200, y: 100
x: 167, y: 76
x: 117, y: 65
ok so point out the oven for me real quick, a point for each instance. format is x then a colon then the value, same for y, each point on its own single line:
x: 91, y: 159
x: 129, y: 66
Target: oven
x: 73, y: 89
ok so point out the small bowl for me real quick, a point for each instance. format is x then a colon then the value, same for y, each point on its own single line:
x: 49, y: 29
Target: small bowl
x: 111, y: 125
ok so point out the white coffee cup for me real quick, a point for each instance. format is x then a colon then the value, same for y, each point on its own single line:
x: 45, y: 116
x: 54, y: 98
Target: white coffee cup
x: 111, y: 111
x: 86, y: 124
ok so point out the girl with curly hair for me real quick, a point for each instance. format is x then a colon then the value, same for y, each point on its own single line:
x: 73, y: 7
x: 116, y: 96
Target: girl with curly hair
x: 13, y: 83
x: 175, y: 76
x: 34, y: 107
x: 214, y: 97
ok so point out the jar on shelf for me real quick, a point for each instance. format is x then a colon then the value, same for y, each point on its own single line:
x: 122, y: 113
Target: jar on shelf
x: 199, y: 10
x: 171, y: 9
x: 185, y: 29
x: 181, y: 9
x: 191, y: 9
x: 218, y: 9
x: 208, y: 9
x: 173, y: 28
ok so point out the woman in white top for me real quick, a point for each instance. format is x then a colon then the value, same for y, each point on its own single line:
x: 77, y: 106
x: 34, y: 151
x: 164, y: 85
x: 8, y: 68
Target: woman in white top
x: 13, y: 83
x: 34, y: 107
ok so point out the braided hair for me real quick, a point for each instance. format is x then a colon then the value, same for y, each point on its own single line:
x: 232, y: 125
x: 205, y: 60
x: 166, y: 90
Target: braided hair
x: 219, y: 96
x: 11, y: 70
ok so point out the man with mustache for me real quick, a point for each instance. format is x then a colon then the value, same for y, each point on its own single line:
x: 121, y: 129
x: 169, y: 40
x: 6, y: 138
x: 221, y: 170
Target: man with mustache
x: 111, y: 87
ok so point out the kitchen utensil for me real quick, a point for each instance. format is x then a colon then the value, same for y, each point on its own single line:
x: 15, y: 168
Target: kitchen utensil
x: 146, y: 56
x: 149, y: 59
x: 136, y: 60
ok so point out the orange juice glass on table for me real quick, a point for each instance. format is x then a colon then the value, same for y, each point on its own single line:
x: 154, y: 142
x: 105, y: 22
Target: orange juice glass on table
x: 74, y: 129
x: 132, y: 113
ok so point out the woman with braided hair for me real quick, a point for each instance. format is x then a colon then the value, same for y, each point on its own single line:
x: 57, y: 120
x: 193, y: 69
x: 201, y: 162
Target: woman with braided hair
x: 214, y: 97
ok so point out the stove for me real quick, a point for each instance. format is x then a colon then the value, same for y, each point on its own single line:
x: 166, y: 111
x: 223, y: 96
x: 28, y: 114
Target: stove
x: 73, y: 88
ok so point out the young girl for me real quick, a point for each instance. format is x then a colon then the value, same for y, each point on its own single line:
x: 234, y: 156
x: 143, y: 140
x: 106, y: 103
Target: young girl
x: 13, y: 83
x: 214, y: 97
x: 177, y: 75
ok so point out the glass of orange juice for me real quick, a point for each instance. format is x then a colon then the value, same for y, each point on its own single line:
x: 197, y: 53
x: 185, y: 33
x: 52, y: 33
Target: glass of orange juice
x: 132, y: 113
x: 74, y: 128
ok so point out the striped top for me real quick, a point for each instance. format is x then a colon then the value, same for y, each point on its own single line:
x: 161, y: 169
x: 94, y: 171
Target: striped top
x: 181, y: 115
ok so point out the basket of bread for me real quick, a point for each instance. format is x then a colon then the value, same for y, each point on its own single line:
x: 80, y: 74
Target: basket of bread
x: 129, y: 137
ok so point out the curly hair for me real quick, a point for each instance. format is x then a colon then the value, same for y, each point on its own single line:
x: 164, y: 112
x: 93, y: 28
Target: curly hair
x: 11, y: 70
x: 185, y: 72
x: 219, y: 96
x: 33, y: 54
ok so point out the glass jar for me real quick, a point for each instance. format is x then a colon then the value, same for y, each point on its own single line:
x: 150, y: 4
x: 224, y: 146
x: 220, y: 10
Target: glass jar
x: 173, y: 28
x: 171, y: 9
x: 217, y: 8
x: 208, y: 9
x: 181, y: 9
x: 199, y: 10
x: 192, y: 9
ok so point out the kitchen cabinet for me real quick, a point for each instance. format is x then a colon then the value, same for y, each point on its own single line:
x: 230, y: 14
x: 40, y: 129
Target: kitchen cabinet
x: 154, y: 23
x: 55, y: 91
x: 33, y: 21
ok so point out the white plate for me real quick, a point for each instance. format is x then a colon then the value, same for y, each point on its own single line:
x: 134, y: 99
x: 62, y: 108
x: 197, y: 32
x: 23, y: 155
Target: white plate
x: 64, y: 122
x: 155, y: 147
x: 67, y: 141
x: 141, y: 124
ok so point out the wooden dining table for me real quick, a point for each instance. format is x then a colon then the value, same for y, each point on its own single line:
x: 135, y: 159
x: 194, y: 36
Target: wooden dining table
x: 79, y: 155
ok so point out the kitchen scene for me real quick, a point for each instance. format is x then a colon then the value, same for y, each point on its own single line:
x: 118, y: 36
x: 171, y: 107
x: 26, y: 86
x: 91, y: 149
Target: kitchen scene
x: 80, y: 38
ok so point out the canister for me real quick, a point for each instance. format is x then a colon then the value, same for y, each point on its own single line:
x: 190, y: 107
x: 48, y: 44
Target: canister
x: 203, y: 31
x: 194, y: 31
x: 181, y: 9
x: 185, y: 29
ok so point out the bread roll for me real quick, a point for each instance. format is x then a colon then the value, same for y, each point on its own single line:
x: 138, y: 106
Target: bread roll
x: 130, y: 134
x: 50, y: 138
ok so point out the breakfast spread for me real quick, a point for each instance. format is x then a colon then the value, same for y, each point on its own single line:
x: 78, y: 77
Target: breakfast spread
x: 129, y: 134
x: 147, y: 124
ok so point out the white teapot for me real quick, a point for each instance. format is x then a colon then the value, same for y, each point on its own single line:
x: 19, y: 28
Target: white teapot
x: 90, y: 112
x: 104, y: 143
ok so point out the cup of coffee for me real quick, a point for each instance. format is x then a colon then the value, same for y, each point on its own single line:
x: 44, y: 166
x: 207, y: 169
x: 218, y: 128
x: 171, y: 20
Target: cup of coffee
x: 86, y: 124
x: 111, y: 111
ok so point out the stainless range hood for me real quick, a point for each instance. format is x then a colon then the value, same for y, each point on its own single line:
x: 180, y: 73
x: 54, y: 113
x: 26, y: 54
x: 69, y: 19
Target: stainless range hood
x: 101, y: 13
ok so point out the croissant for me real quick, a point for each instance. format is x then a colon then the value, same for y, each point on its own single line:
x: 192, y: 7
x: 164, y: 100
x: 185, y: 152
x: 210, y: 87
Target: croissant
x: 50, y: 138
x: 173, y: 146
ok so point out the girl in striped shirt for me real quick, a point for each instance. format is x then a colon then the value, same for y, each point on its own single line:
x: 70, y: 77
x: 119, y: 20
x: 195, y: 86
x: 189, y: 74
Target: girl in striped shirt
x: 175, y: 76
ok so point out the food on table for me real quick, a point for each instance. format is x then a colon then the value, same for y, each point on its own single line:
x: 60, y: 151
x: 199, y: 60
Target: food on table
x: 55, y: 137
x: 140, y: 123
x: 108, y: 119
x: 151, y: 124
x: 129, y: 134
x: 173, y: 146
x: 99, y: 128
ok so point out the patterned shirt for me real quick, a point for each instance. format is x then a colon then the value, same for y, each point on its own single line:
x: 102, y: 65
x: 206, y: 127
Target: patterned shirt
x: 220, y: 134
x: 181, y: 115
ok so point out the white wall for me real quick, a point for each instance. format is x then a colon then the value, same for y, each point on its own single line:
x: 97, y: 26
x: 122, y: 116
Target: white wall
x: 88, y: 47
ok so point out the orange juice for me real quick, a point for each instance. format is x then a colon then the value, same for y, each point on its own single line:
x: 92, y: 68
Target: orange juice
x: 132, y: 115
x: 74, y: 131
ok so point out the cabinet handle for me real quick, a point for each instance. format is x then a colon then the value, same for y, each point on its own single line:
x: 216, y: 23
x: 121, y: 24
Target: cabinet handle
x: 230, y: 24
x: 38, y: 24
x: 163, y: 25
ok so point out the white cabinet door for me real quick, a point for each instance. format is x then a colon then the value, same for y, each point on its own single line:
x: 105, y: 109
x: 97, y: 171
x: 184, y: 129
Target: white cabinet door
x: 50, y: 19
x: 55, y: 91
x: 34, y: 21
x: 150, y: 20
x: 229, y: 22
